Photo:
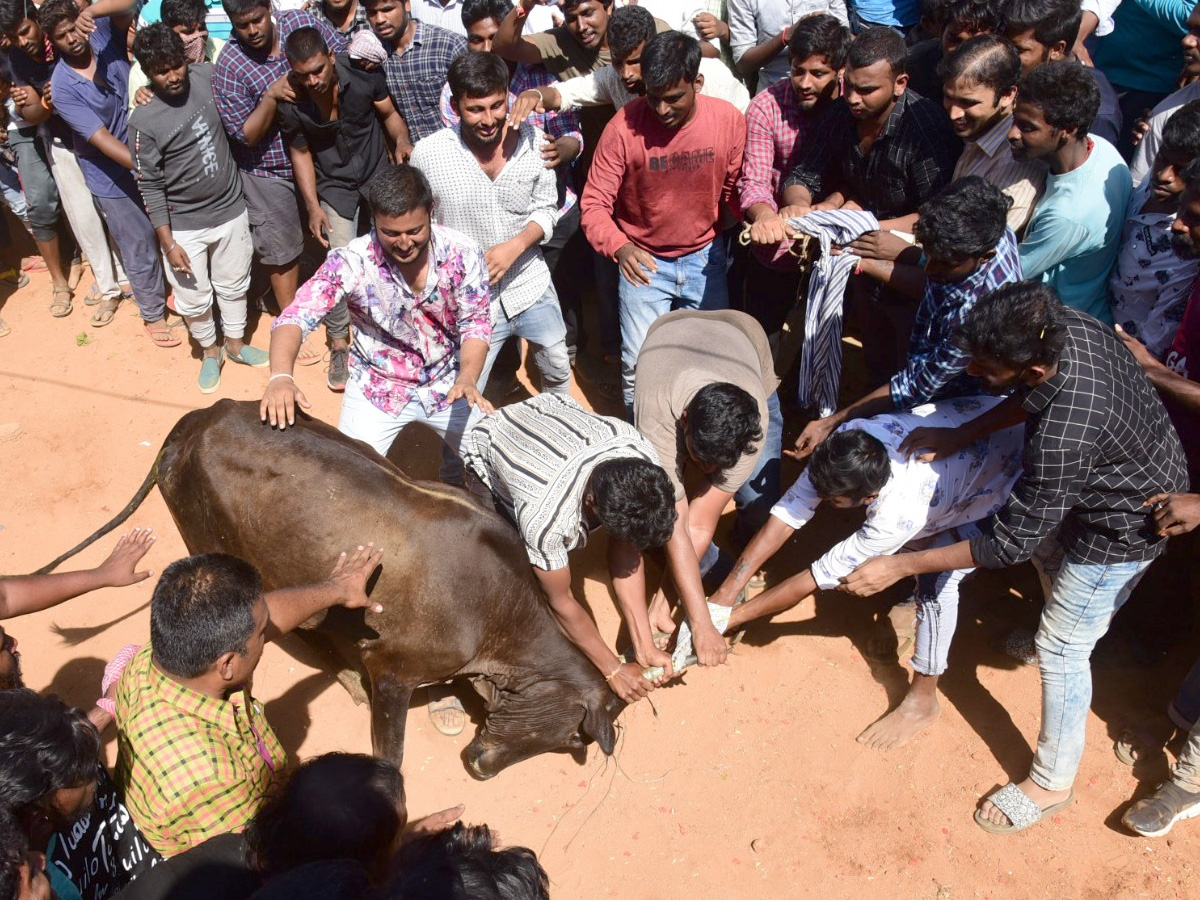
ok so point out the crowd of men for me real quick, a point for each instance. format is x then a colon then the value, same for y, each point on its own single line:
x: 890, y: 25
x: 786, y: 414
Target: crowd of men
x: 997, y: 200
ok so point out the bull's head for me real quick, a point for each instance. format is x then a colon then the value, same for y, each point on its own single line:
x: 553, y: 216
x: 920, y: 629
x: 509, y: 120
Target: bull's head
x: 529, y: 717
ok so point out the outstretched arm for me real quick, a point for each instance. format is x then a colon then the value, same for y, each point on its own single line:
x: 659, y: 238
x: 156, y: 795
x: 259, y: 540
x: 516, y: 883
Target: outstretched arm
x: 23, y: 594
x: 346, y: 586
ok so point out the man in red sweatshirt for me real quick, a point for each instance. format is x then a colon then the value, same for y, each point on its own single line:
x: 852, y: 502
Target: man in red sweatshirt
x: 652, y: 201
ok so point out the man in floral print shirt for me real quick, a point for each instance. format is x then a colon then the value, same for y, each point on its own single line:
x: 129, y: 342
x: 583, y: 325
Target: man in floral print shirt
x: 419, y: 302
x: 911, y: 504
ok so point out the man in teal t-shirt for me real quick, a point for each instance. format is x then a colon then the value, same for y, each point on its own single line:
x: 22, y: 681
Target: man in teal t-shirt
x: 1074, y: 235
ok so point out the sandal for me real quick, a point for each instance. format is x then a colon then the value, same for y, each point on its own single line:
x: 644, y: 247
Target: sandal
x: 162, y: 337
x: 4, y: 328
x: 105, y: 312
x: 1019, y: 809
x: 308, y: 356
x: 94, y: 297
x: 59, y: 307
x: 447, y: 714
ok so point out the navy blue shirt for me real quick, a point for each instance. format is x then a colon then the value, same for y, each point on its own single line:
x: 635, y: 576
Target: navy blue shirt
x: 89, y: 105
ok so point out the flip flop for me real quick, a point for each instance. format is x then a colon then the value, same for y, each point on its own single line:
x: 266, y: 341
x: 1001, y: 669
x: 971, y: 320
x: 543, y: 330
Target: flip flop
x: 162, y: 338
x: 1019, y: 809
x: 105, y: 312
x: 447, y: 715
x: 308, y: 356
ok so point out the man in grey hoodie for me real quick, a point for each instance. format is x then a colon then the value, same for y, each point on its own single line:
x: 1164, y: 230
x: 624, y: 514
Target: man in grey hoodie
x: 193, y: 195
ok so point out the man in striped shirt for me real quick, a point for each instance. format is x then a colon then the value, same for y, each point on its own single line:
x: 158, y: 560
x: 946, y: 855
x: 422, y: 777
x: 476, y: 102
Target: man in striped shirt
x: 558, y: 472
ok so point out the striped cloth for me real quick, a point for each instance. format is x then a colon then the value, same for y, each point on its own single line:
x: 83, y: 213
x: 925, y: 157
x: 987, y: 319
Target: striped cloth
x: 821, y: 356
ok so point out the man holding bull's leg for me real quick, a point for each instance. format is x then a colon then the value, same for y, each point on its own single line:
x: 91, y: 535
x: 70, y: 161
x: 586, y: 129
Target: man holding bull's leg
x: 558, y: 472
x: 420, y: 305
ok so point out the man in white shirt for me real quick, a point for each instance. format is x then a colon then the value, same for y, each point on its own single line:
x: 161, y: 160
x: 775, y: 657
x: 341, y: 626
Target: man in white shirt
x: 442, y: 13
x: 910, y: 504
x: 489, y: 182
x: 629, y: 30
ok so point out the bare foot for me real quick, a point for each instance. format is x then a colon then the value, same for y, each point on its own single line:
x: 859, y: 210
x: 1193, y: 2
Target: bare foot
x: 902, y: 724
x: 894, y: 633
x: 1039, y: 795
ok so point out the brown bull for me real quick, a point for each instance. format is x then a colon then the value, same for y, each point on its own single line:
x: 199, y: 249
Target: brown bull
x: 458, y: 595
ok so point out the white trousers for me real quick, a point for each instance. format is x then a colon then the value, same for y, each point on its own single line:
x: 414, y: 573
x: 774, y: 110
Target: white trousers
x: 86, y: 223
x: 220, y: 260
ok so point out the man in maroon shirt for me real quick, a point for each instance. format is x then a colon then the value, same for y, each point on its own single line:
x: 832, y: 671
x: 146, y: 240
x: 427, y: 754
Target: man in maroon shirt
x: 652, y: 202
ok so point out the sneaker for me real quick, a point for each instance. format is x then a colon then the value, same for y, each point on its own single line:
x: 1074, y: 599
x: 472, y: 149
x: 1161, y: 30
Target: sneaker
x: 210, y: 373
x: 339, y: 372
x: 1154, y: 816
x: 251, y: 356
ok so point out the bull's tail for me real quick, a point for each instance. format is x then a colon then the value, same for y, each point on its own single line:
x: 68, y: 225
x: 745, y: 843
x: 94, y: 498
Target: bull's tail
x: 151, y: 480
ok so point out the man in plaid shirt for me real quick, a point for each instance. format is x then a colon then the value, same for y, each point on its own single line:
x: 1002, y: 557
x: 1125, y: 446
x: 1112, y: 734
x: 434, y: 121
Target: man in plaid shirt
x: 249, y: 82
x: 196, y: 755
x: 1098, y: 442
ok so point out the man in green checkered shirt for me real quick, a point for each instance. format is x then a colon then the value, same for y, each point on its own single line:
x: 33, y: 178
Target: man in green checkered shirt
x: 196, y: 754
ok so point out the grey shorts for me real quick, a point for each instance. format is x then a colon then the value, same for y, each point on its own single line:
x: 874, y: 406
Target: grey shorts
x: 274, y: 219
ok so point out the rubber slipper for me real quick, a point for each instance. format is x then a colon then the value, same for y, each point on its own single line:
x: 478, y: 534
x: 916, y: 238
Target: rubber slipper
x: 59, y: 307
x: 448, y: 715
x: 4, y: 328
x: 162, y: 338
x: 105, y: 312
x: 1020, y: 811
x: 308, y: 356
x: 94, y: 297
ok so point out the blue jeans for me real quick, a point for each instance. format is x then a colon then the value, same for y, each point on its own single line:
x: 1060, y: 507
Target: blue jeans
x: 694, y: 281
x: 14, y: 197
x: 760, y: 492
x: 542, y: 325
x: 1080, y: 604
x: 1185, y: 708
x: 137, y: 243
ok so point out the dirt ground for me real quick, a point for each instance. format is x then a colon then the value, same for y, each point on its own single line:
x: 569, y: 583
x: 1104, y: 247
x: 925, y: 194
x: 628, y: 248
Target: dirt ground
x: 742, y: 781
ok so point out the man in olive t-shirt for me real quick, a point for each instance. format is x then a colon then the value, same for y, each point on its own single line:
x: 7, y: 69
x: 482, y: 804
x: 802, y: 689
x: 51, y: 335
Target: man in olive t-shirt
x: 704, y: 398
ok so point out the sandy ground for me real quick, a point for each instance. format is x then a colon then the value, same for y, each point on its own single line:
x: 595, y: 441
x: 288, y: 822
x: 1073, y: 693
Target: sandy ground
x: 743, y: 781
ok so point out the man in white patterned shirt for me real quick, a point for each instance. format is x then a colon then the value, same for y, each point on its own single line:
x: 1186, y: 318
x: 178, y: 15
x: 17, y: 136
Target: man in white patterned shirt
x: 558, y: 472
x: 489, y: 182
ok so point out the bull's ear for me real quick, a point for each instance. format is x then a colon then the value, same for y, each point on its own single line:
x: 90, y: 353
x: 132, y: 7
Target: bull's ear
x: 599, y: 727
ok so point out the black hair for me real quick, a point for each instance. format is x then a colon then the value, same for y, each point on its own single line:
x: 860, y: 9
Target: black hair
x: 874, y: 44
x: 477, y: 10
x: 329, y: 879
x: 337, y: 806
x: 54, y: 11
x: 462, y: 863
x: 1051, y: 21
x: 1191, y: 177
x: 978, y: 16
x: 1181, y: 134
x: 634, y: 500
x: 14, y: 853
x: 628, y: 27
x: 14, y: 12
x: 936, y: 15
x: 985, y: 59
x: 304, y: 43
x: 565, y: 5
x: 45, y: 746
x: 723, y: 424
x: 236, y: 8
x: 849, y: 463
x: 203, y: 608
x: 477, y: 75
x: 1065, y: 92
x: 183, y: 12
x: 1018, y: 325
x: 820, y: 34
x: 157, y: 48
x: 396, y: 190
x: 669, y: 58
x: 965, y: 218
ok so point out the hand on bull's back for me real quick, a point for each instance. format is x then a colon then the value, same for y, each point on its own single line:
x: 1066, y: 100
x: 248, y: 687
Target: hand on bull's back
x: 351, y: 574
x: 279, y: 401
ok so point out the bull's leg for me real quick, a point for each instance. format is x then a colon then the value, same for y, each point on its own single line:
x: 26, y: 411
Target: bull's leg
x: 389, y: 713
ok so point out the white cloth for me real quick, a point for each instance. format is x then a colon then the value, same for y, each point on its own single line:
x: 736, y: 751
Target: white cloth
x: 220, y: 262
x: 604, y: 86
x: 432, y: 12
x: 821, y: 355
x: 920, y: 499
x: 85, y: 221
x: 753, y: 22
x: 676, y: 13
x: 1150, y: 283
x: 1103, y: 10
x: 1143, y: 155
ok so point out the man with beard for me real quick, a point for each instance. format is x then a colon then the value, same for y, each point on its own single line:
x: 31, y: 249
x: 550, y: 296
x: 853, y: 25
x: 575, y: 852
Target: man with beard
x: 418, y: 298
x: 334, y: 130
x: 419, y: 56
x: 1143, y: 156
x: 489, y: 182
x: 1098, y: 443
x: 664, y: 166
x: 90, y: 89
x: 189, y: 20
x: 1075, y: 232
x: 190, y: 186
x: 979, y: 94
x: 778, y: 123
